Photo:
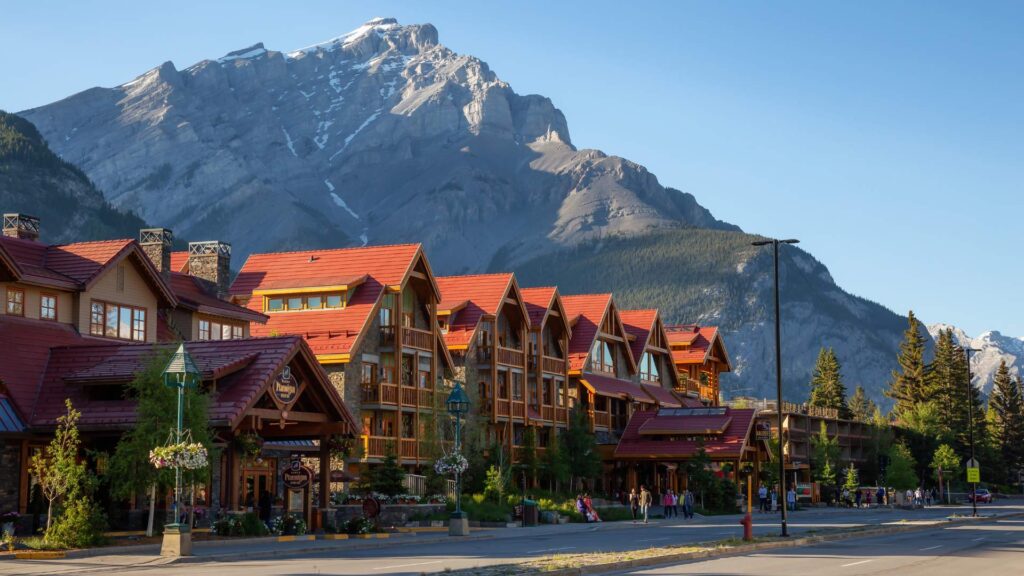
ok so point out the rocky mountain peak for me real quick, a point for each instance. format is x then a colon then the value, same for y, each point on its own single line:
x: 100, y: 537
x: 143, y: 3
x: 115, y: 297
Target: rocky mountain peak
x: 993, y: 347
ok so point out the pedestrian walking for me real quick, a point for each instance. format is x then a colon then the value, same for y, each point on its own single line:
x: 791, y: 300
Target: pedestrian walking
x: 687, y: 504
x: 775, y: 499
x: 881, y: 496
x: 857, y: 497
x: 675, y: 503
x: 791, y: 499
x: 666, y: 503
x: 645, y: 502
x: 762, y: 495
x: 634, y: 503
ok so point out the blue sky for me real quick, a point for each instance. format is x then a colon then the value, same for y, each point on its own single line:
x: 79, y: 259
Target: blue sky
x: 885, y: 136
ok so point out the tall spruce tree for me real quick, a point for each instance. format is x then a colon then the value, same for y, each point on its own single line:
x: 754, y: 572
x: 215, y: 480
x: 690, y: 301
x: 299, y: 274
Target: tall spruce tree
x: 1006, y: 413
x: 954, y: 396
x: 827, y: 388
x: 909, y: 385
x: 862, y: 408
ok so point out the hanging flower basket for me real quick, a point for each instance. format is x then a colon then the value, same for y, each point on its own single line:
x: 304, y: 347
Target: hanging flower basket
x: 452, y: 464
x: 189, y: 456
x: 249, y: 444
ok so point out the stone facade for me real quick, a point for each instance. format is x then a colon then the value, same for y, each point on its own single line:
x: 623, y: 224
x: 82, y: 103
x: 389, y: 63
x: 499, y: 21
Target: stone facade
x: 390, y: 514
x: 211, y: 261
x: 10, y: 474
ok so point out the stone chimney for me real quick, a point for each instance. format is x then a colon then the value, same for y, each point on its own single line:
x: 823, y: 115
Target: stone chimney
x: 211, y: 261
x: 156, y: 243
x: 21, y: 226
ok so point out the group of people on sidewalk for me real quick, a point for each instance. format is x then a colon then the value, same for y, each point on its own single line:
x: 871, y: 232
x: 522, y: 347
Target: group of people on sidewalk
x: 640, y: 504
x: 768, y: 500
x: 585, y: 506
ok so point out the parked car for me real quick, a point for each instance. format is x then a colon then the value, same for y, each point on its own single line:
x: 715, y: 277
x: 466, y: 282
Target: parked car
x: 983, y: 496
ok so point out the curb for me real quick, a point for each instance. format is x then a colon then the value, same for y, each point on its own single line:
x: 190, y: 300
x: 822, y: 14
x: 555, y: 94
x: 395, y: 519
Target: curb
x: 747, y: 548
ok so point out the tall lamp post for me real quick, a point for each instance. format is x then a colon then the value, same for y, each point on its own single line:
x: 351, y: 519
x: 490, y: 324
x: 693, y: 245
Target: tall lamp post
x: 180, y: 373
x: 458, y: 405
x: 970, y: 426
x: 778, y: 370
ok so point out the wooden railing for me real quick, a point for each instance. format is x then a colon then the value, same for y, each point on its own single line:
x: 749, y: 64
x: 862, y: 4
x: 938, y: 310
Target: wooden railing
x: 601, y: 419
x: 380, y: 394
x: 408, y: 448
x: 518, y: 409
x: 503, y: 407
x: 510, y: 357
x: 409, y: 396
x: 416, y: 338
x: 547, y: 412
x: 426, y: 398
x: 376, y: 446
x: 555, y: 365
x: 561, y: 414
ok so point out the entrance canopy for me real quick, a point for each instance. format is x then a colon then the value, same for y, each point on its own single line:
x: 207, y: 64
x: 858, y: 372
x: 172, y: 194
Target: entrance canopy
x: 678, y: 433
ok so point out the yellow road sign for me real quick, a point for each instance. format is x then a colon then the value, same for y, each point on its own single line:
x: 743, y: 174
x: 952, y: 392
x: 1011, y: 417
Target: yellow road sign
x: 974, y: 475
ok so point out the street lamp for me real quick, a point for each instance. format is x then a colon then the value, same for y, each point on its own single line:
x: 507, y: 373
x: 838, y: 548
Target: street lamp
x: 457, y: 405
x: 970, y: 425
x: 778, y: 368
x: 180, y: 373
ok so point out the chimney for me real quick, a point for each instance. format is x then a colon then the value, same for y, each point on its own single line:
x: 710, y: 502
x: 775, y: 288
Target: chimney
x: 21, y: 226
x: 156, y: 243
x: 211, y: 261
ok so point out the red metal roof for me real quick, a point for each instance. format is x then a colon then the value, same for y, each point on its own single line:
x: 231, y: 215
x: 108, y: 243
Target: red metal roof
x: 243, y: 369
x: 179, y: 261
x: 661, y: 395
x: 24, y: 351
x: 589, y: 310
x: 388, y: 265
x: 639, y: 324
x: 614, y: 387
x: 483, y: 294
x: 698, y: 341
x: 193, y: 295
x: 676, y: 425
x: 538, y: 302
x: 727, y: 445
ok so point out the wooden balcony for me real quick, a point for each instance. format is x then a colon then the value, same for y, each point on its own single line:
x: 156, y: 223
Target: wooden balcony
x: 380, y: 393
x: 502, y: 408
x: 416, y: 338
x: 375, y: 446
x: 408, y: 448
x: 510, y: 357
x: 561, y: 414
x: 547, y: 413
x: 601, y: 419
x: 426, y: 398
x: 518, y: 409
x: 409, y: 396
x: 553, y: 365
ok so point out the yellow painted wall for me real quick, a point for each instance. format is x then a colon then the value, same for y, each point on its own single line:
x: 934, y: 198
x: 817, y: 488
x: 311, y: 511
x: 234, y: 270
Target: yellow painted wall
x: 136, y: 292
x: 65, y: 301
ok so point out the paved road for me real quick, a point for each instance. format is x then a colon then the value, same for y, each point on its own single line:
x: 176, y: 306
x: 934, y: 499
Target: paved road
x: 985, y: 548
x: 505, y: 546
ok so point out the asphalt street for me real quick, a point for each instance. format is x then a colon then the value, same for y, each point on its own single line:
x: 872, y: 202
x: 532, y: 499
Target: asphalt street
x: 515, y: 545
x: 983, y: 548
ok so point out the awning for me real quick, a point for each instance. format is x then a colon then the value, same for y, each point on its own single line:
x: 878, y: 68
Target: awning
x: 613, y: 387
x: 661, y: 395
x: 9, y: 420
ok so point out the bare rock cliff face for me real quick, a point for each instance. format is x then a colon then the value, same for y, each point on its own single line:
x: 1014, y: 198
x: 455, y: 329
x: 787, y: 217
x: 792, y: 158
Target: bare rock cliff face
x: 381, y: 135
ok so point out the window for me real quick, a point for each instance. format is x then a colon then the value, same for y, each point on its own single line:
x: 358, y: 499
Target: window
x: 534, y: 399
x: 387, y: 369
x: 409, y: 308
x: 602, y: 357
x: 210, y: 330
x: 369, y: 373
x: 387, y: 310
x: 308, y: 302
x: 334, y: 301
x: 15, y: 302
x: 546, y: 391
x: 484, y: 335
x: 407, y: 370
x: 294, y: 303
x: 508, y: 335
x: 503, y: 385
x: 560, y: 394
x: 649, y: 367
x: 48, y: 307
x: 275, y: 304
x: 117, y: 321
x: 314, y: 302
x: 517, y: 386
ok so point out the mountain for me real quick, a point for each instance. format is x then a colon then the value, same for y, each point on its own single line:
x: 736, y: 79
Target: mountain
x: 33, y: 180
x: 992, y: 347
x: 717, y: 277
x: 384, y: 135
x: 380, y: 135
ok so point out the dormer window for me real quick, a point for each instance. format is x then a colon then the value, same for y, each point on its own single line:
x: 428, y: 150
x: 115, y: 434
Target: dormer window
x: 602, y: 357
x: 48, y: 307
x: 649, y: 368
x: 295, y: 302
x: 117, y: 321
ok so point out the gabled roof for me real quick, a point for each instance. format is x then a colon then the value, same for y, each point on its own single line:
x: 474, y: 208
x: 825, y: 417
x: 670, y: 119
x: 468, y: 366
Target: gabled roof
x: 79, y: 265
x: 484, y: 295
x: 192, y: 295
x: 692, y: 344
x: 388, y: 265
x: 671, y: 434
x: 539, y: 303
x: 586, y: 314
x: 366, y: 272
x: 9, y: 270
x: 243, y: 369
x: 640, y: 324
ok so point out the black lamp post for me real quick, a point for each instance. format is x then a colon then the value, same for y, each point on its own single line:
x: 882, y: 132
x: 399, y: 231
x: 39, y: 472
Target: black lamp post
x: 180, y: 373
x: 458, y: 405
x: 970, y: 425
x: 778, y: 371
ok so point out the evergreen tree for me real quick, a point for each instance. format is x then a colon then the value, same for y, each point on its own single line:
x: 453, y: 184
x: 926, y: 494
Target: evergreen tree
x: 556, y: 469
x: 826, y: 456
x: 862, y: 408
x: 827, y: 389
x: 581, y: 449
x: 908, y: 385
x: 852, y: 478
x: 954, y: 396
x: 529, y: 463
x: 1006, y: 411
x: 388, y: 478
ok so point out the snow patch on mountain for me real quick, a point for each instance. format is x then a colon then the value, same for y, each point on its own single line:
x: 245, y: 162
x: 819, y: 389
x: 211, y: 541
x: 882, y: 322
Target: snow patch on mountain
x: 993, y: 348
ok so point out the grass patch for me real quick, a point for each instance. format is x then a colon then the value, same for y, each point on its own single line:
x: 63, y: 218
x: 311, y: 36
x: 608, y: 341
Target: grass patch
x: 37, y: 543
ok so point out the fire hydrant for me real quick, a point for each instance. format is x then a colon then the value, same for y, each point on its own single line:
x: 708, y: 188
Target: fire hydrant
x: 748, y: 527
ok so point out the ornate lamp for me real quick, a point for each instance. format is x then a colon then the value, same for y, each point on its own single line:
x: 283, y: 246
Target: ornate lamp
x: 457, y: 405
x: 180, y: 373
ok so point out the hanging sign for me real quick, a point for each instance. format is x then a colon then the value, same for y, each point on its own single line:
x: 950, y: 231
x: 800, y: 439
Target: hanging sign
x: 285, y: 389
x: 296, y: 476
x: 763, y: 430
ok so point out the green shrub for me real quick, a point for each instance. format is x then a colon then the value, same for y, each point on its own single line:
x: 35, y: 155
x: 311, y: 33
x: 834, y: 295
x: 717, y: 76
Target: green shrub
x: 251, y: 525
x: 80, y: 525
x: 479, y: 498
x: 360, y: 525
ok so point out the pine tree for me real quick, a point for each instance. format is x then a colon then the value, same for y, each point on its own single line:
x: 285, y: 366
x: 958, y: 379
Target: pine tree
x: 826, y: 454
x: 954, y: 396
x: 1006, y: 408
x: 852, y: 478
x: 900, y: 473
x: 556, y: 470
x: 908, y: 385
x: 581, y: 449
x: 862, y: 408
x: 388, y: 478
x: 827, y: 389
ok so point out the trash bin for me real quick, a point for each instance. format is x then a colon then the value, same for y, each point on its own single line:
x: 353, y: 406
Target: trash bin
x: 530, y: 512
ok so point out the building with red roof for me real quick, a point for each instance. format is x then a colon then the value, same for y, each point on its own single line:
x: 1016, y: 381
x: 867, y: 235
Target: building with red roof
x: 548, y: 359
x: 370, y: 314
x: 700, y: 356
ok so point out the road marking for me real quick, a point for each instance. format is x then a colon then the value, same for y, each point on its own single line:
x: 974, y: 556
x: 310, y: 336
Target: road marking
x: 979, y: 539
x: 655, y: 539
x: 931, y: 548
x: 406, y: 565
x: 551, y: 550
x: 855, y: 563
